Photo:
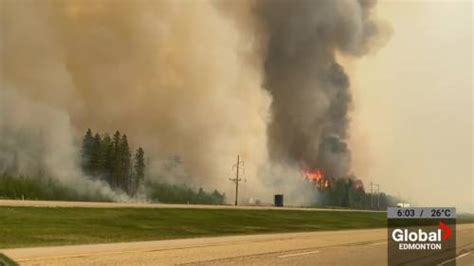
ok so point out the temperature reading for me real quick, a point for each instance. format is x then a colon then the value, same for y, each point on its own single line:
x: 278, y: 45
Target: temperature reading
x: 418, y: 212
x: 440, y: 212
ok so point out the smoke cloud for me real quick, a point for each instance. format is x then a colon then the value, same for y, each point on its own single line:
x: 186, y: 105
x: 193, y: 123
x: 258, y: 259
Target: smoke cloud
x: 309, y: 88
x: 202, y: 80
x: 43, y: 146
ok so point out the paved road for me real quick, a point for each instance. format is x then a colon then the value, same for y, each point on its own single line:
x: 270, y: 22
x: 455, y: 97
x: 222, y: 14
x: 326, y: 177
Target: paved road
x: 71, y: 204
x: 351, y: 247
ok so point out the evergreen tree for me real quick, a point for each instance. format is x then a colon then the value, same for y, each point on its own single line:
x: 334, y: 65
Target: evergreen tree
x: 86, y: 152
x: 96, y: 156
x: 110, y: 159
x: 115, y: 160
x: 105, y: 155
x: 124, y: 163
x: 139, y: 167
x: 116, y: 139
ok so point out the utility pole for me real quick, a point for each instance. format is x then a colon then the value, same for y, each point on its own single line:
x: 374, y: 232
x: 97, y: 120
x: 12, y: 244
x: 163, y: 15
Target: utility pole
x: 378, y: 196
x: 371, y: 195
x: 372, y: 185
x: 237, y: 166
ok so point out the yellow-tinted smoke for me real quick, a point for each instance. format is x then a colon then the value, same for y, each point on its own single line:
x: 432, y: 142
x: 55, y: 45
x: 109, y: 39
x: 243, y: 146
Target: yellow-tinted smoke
x: 179, y: 78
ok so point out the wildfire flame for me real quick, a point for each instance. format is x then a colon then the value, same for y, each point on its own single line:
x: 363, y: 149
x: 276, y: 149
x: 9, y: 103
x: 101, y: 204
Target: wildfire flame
x: 322, y: 182
x: 317, y: 177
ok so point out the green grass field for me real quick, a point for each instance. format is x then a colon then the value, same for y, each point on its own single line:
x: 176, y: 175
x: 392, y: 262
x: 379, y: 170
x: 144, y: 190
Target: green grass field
x: 29, y: 226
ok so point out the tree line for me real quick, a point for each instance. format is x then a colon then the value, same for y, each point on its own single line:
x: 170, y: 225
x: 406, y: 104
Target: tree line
x: 346, y: 193
x: 43, y: 188
x: 173, y: 193
x: 109, y: 159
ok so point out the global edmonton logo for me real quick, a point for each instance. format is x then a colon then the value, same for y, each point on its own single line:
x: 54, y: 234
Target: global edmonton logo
x: 420, y: 239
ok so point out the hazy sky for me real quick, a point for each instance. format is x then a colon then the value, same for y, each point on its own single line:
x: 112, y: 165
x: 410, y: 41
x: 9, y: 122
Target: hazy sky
x: 413, y: 116
x: 412, y: 121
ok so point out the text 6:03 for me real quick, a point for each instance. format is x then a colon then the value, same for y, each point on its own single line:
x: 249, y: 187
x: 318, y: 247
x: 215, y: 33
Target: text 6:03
x: 406, y: 213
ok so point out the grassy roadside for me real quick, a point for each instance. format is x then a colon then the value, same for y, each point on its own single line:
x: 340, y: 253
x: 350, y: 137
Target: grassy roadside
x: 31, y: 226
x: 44, y: 226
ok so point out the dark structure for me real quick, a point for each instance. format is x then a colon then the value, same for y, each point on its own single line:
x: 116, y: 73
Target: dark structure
x: 279, y: 200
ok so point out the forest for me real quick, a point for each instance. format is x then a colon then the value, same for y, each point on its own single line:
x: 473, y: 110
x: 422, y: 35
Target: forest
x: 344, y: 193
x: 109, y: 160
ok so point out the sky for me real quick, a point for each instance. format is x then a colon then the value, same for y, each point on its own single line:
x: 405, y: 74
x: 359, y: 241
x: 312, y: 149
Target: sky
x: 412, y: 121
x: 411, y: 129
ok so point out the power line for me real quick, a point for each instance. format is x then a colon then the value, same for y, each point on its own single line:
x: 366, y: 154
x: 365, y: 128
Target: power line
x: 239, y: 165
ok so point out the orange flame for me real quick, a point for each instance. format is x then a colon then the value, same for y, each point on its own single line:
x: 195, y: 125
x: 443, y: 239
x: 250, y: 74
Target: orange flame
x: 317, y: 177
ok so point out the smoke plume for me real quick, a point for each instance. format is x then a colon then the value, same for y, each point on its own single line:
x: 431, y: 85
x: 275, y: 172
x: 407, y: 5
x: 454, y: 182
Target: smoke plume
x: 310, y: 90
x: 202, y: 80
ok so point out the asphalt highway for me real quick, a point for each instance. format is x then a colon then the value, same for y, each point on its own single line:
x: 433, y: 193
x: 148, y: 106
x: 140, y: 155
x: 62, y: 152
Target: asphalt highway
x: 83, y: 204
x: 349, y: 247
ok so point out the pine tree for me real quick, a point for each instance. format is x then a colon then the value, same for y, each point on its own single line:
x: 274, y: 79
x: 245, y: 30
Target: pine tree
x: 110, y: 159
x: 104, y: 145
x: 115, y: 160
x: 96, y: 156
x: 86, y: 152
x: 107, y: 155
x: 139, y: 167
x: 124, y: 163
x: 116, y: 138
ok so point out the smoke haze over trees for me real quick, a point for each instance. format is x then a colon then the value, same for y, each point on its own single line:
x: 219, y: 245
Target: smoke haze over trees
x: 110, y: 160
x: 203, y: 80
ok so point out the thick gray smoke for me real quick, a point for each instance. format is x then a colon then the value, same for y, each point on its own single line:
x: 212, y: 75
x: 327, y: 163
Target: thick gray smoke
x: 172, y: 75
x: 310, y: 90
x: 200, y: 80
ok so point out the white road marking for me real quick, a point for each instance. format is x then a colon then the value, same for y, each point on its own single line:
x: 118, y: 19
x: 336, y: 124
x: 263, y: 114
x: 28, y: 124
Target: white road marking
x: 458, y: 257
x: 377, y: 244
x: 298, y: 254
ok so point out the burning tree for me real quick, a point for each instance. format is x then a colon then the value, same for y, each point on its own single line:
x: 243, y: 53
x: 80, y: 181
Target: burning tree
x: 317, y: 178
x: 341, y: 192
